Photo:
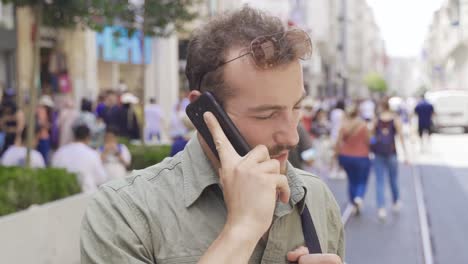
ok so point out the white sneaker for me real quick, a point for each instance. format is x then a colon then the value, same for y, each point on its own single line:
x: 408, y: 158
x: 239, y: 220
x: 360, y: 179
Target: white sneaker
x: 397, y: 206
x: 333, y: 174
x: 341, y: 175
x: 382, y: 214
x: 358, y: 203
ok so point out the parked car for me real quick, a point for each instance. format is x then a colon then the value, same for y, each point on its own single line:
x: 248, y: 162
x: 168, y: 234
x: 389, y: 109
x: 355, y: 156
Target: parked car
x: 451, y: 108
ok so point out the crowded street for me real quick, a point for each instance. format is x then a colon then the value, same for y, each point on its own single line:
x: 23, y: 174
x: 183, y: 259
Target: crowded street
x: 435, y: 180
x: 234, y: 131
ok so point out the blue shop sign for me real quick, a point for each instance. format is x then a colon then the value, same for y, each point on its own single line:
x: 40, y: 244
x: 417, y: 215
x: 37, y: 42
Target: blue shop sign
x: 120, y: 47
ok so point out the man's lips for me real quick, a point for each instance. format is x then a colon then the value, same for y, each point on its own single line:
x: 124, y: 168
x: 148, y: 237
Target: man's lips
x: 280, y: 155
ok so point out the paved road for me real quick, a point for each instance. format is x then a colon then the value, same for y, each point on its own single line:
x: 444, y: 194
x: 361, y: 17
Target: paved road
x: 444, y: 175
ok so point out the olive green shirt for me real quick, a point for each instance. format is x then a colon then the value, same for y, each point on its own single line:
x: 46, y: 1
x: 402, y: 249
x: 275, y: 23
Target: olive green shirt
x: 172, y: 212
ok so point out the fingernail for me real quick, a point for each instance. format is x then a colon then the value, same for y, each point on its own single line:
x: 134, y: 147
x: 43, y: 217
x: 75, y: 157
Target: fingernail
x: 205, y: 116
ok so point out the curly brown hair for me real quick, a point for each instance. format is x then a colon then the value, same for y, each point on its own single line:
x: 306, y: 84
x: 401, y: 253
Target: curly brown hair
x: 209, y: 45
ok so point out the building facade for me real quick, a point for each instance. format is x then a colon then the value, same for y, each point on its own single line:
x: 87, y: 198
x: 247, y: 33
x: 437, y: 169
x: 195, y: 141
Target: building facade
x: 7, y: 47
x: 445, y: 52
x: 96, y: 61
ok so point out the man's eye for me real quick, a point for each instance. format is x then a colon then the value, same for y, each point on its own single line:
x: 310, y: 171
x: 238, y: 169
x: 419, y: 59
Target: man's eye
x: 265, y: 117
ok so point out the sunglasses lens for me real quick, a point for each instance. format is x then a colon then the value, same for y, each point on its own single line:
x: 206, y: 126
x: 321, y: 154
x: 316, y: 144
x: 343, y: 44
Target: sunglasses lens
x: 264, y: 51
x: 300, y: 43
x: 269, y: 50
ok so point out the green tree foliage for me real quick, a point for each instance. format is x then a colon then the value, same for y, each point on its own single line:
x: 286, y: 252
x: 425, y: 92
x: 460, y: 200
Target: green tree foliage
x: 158, y: 14
x: 376, y: 83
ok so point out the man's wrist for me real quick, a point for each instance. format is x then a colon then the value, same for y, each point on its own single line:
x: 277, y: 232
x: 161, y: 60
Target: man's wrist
x: 239, y: 235
x: 233, y: 245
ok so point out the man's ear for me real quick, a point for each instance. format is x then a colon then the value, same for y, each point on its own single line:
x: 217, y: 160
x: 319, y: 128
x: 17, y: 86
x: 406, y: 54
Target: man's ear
x: 193, y: 95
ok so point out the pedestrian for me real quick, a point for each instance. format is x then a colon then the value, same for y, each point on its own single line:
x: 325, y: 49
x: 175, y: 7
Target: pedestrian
x: 308, y: 115
x: 128, y: 121
x: 367, y: 110
x: 179, y: 142
x: 386, y: 127
x: 320, y: 125
x: 195, y: 208
x: 45, y: 118
x: 115, y: 156
x: 425, y: 112
x: 88, y: 118
x: 110, y: 113
x: 12, y: 123
x: 297, y: 157
x: 321, y: 142
x: 352, y: 149
x: 15, y: 155
x: 154, y: 119
x: 177, y: 128
x: 79, y: 158
x: 336, y: 118
x: 68, y: 114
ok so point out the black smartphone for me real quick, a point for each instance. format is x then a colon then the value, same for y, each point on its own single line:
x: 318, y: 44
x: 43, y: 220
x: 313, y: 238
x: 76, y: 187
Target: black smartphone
x: 208, y: 103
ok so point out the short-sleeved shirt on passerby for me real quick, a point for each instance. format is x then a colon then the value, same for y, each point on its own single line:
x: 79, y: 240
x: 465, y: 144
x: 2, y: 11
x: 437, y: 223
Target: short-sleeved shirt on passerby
x: 424, y: 110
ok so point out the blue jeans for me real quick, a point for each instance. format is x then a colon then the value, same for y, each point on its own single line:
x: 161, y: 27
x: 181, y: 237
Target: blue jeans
x: 43, y: 146
x: 382, y: 165
x: 357, y: 169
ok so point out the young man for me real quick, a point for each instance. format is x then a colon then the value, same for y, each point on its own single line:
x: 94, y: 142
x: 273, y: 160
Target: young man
x: 78, y: 157
x: 193, y: 208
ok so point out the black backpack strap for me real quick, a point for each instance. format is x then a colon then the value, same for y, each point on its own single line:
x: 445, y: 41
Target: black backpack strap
x: 310, y: 234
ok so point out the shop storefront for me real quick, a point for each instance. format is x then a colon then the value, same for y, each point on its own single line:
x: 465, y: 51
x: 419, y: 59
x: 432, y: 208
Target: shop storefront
x: 120, y: 59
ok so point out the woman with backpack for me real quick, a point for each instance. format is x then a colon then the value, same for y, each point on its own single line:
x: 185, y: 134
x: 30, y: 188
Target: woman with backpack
x: 386, y: 127
x: 352, y: 147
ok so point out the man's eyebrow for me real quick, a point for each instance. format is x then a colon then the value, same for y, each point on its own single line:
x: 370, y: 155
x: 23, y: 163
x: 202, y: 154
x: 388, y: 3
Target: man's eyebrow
x: 267, y: 107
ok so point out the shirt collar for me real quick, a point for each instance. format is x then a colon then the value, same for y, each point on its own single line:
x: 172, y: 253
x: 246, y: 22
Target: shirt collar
x: 198, y: 174
x: 197, y: 171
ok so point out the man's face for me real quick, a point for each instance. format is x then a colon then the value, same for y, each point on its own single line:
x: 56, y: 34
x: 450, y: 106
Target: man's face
x: 265, y: 106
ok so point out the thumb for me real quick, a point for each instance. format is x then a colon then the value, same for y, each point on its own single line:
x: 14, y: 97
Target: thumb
x: 293, y: 256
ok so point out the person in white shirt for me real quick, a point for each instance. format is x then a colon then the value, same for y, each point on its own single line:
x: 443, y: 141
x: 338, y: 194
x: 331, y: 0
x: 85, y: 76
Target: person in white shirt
x: 153, y: 120
x: 115, y: 156
x: 78, y: 157
x: 15, y: 155
x: 336, y: 118
x: 177, y: 127
x: 367, y: 110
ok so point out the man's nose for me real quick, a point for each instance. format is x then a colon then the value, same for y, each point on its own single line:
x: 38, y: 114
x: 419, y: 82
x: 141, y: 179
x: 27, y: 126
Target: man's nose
x: 286, y: 133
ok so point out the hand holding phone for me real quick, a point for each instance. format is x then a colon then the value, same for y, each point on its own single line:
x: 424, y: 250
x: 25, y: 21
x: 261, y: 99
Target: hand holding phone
x: 250, y: 184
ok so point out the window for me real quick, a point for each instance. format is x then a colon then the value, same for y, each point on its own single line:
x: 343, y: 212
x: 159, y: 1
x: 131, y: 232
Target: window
x: 6, y: 16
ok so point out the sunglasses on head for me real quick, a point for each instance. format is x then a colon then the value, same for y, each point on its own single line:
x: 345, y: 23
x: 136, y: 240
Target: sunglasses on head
x: 270, y: 50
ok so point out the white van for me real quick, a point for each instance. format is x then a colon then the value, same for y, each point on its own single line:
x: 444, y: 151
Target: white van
x: 451, y: 108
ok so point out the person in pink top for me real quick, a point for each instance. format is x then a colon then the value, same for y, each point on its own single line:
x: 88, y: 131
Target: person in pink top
x: 352, y: 148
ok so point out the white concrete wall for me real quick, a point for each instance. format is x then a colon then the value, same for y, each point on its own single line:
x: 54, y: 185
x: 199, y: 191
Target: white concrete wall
x: 47, y: 234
